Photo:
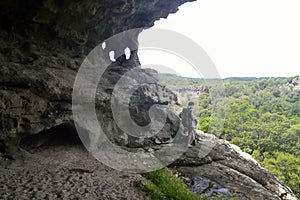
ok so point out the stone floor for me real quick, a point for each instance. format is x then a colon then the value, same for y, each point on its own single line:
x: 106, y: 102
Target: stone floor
x: 65, y: 172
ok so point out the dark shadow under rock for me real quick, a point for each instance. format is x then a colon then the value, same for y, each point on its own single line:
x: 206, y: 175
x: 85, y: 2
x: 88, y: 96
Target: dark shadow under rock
x: 64, y: 134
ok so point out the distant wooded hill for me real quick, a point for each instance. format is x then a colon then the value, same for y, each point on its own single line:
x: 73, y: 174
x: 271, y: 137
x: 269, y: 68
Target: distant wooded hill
x: 179, y: 80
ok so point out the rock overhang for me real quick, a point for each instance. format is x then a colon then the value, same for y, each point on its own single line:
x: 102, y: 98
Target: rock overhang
x: 77, y: 25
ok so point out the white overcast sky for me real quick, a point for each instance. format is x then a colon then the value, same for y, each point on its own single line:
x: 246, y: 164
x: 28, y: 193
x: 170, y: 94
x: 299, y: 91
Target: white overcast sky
x: 246, y: 38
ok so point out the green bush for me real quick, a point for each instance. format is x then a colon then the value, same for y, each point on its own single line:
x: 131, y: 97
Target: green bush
x: 164, y: 185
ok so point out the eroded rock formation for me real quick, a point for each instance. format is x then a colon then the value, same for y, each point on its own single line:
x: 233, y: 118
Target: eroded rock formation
x: 227, y: 165
x: 42, y: 45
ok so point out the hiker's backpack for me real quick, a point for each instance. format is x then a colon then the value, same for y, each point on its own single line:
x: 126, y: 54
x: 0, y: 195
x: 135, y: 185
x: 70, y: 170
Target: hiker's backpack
x: 185, y: 117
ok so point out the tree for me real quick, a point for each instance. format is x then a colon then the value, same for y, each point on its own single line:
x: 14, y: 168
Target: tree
x: 286, y: 167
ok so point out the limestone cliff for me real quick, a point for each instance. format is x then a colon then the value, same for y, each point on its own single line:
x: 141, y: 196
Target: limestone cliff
x: 42, y: 45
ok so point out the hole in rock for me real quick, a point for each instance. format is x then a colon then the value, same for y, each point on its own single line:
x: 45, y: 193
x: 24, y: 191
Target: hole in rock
x: 112, y: 56
x: 103, y: 45
x: 127, y: 53
x: 61, y: 135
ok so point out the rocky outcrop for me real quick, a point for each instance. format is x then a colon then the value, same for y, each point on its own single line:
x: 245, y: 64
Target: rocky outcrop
x: 42, y: 45
x: 227, y: 165
x: 294, y: 84
x: 207, y: 188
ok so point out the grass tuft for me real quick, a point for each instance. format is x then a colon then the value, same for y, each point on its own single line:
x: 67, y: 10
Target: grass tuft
x: 164, y: 185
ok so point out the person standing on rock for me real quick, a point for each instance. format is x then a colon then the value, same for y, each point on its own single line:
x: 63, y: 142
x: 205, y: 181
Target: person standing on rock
x: 189, y: 122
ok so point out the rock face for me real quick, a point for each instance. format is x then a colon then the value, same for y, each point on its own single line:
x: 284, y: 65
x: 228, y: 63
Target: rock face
x: 206, y: 188
x: 227, y: 165
x: 42, y: 45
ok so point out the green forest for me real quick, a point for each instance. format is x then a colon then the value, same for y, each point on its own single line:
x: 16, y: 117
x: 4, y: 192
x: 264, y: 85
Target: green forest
x: 262, y: 118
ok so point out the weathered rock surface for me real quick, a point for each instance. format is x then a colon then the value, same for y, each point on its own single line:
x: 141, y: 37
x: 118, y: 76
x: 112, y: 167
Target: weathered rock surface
x: 227, y: 165
x: 207, y: 188
x: 42, y: 45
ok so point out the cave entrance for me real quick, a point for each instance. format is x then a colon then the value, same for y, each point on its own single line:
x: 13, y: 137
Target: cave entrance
x: 60, y: 135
